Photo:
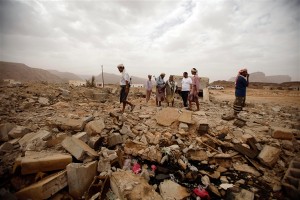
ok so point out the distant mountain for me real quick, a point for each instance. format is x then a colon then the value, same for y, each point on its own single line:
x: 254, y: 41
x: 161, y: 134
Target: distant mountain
x: 115, y: 79
x: 65, y: 75
x: 23, y: 73
x: 261, y: 77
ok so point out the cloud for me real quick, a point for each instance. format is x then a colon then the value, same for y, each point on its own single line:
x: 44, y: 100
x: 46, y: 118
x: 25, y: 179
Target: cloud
x: 217, y: 37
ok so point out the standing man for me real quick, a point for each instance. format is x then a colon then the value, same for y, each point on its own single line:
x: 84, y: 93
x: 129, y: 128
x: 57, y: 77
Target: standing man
x: 171, y: 87
x: 148, y: 88
x: 195, y: 86
x: 241, y: 83
x: 185, y: 88
x: 125, y: 85
x: 160, y: 89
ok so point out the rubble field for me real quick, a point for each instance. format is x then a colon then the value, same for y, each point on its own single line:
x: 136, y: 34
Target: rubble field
x: 63, y: 142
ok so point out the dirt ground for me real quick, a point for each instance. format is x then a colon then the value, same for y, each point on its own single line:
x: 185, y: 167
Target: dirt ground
x: 261, y: 96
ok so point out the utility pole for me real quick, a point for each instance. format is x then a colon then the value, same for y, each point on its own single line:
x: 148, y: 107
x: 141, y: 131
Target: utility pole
x: 102, y: 76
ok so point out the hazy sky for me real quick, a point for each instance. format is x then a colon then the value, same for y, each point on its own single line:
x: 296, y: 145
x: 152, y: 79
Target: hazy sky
x: 217, y: 37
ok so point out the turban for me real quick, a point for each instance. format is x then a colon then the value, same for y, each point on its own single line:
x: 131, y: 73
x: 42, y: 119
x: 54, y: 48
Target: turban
x: 120, y: 66
x: 162, y: 74
x: 194, y: 70
x: 242, y: 70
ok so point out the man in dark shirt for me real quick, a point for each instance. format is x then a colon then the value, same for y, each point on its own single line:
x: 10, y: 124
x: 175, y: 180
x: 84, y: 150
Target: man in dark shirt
x: 241, y: 83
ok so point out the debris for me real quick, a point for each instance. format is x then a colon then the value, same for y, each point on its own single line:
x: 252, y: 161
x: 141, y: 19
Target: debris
x: 291, y: 179
x: 269, y: 155
x: 201, y: 192
x: 171, y: 190
x: 282, y: 133
x: 95, y: 127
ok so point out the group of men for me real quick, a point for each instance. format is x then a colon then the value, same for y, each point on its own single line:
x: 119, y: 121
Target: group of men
x: 189, y: 90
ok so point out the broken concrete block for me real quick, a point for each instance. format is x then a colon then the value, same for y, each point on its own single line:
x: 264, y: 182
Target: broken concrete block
x: 114, y: 139
x: 269, y: 155
x: 125, y: 130
x: 19, y: 131
x: 246, y: 168
x: 78, y: 148
x: 28, y: 138
x: 6, y: 147
x: 80, y: 177
x: 95, y: 127
x: 82, y: 136
x: 167, y: 116
x: 104, y: 165
x: 95, y: 142
x: 238, y: 193
x: 45, y: 188
x: 34, y: 162
x: 171, y: 190
x: 150, y: 153
x: 43, y: 101
x: 198, y: 155
x: 186, y: 117
x: 183, y: 126
x: 4, y: 130
x: 282, y: 133
x: 69, y: 124
x: 127, y: 185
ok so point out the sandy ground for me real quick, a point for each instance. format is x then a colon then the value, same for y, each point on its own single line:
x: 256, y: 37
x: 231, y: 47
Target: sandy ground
x: 261, y: 96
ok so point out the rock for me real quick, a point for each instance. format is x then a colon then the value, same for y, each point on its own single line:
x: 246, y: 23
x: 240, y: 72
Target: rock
x: 45, y: 188
x: 240, y: 194
x: 6, y: 147
x: 19, y: 131
x: 34, y: 162
x: 125, y: 130
x: 167, y: 116
x: 4, y: 130
x: 43, y: 101
x: 127, y: 185
x: 282, y: 133
x: 78, y: 148
x: 95, y: 127
x: 183, y: 126
x: 80, y: 177
x: 103, y: 165
x: 114, y: 139
x: 287, y: 144
x: 95, y: 142
x: 171, y: 190
x: 269, y: 155
x: 214, y: 190
x: 30, y: 137
x: 197, y: 155
x: 82, y: 136
x: 224, y: 179
x: 186, y: 117
x: 246, y: 168
x: 144, y: 116
x: 68, y: 123
x: 100, y: 96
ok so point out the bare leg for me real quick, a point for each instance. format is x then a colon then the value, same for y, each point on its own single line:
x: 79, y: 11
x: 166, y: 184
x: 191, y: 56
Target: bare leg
x: 197, y: 104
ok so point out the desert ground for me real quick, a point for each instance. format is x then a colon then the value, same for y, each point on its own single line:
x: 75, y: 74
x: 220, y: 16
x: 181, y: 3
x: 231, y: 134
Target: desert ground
x: 65, y: 142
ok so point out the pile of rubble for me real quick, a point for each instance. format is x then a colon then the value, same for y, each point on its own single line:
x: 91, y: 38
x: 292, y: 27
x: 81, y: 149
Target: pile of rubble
x: 60, y: 142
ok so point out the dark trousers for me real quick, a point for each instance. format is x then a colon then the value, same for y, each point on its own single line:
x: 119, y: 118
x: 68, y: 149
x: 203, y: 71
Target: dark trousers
x: 184, y: 95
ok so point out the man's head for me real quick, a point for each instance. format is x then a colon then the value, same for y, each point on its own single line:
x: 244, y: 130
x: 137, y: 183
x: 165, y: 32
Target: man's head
x: 120, y: 67
x: 149, y: 77
x: 185, y: 74
x: 162, y: 75
x: 243, y: 72
x: 171, y: 77
x: 194, y: 71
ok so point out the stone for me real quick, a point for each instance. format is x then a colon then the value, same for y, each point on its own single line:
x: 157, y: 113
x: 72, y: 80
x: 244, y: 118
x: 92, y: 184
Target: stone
x: 114, y: 139
x: 214, y: 190
x: 78, y: 148
x: 282, y: 133
x: 68, y: 123
x: 100, y: 96
x: 95, y: 127
x: 127, y: 185
x: 80, y: 177
x: 182, y: 164
x: 4, y: 130
x: 183, y: 126
x: 186, y: 117
x: 171, y: 190
x: 34, y: 162
x: 246, y: 168
x: 240, y: 194
x: 150, y: 153
x: 6, y: 147
x: 82, y: 136
x: 197, y: 155
x: 167, y: 116
x: 269, y: 155
x: 19, y: 131
x: 45, y: 188
x: 43, y: 101
x: 95, y: 142
x: 103, y: 165
x: 125, y: 130
x: 287, y: 144
x: 144, y: 116
x: 28, y: 138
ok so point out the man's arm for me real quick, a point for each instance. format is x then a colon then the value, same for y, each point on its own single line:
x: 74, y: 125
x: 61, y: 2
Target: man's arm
x: 247, y: 76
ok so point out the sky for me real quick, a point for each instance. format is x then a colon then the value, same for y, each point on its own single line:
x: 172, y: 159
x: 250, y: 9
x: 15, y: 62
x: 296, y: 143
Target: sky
x: 217, y: 37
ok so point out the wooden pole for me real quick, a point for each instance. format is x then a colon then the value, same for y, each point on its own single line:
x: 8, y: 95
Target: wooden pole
x: 102, y: 76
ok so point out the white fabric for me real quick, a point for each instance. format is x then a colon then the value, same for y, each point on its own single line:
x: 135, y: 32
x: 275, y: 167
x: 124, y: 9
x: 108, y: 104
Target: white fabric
x: 185, y: 84
x: 124, y: 77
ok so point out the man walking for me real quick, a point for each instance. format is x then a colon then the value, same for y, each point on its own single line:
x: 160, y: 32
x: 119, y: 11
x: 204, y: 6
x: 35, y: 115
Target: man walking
x: 125, y: 85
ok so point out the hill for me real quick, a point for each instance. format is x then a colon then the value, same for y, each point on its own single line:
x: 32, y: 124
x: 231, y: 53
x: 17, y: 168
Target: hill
x: 23, y: 73
x: 262, y: 78
x: 65, y: 75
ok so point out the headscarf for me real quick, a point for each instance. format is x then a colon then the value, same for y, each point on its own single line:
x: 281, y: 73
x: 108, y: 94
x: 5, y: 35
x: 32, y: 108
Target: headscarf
x: 194, y: 70
x: 239, y: 74
x: 162, y: 74
x: 120, y: 66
